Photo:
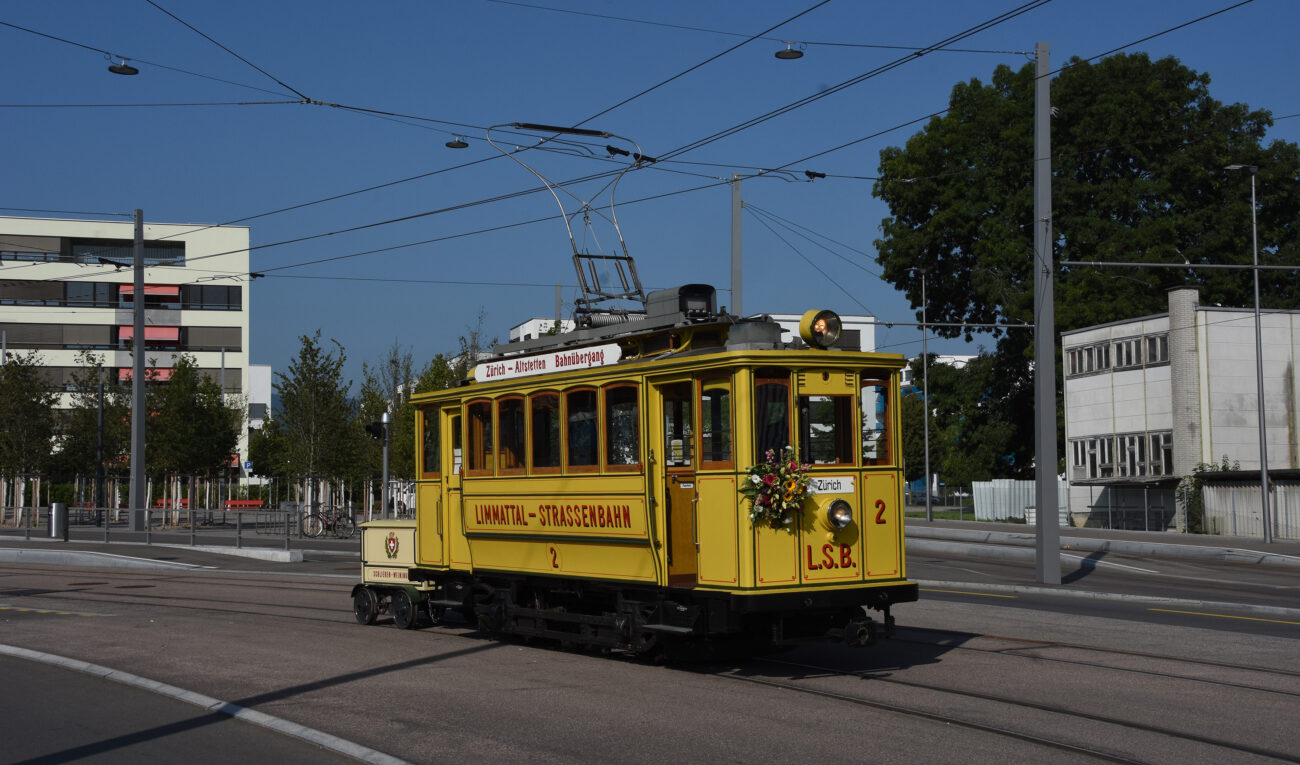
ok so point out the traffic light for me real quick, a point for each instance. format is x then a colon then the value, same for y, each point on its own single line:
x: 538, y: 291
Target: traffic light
x: 376, y: 430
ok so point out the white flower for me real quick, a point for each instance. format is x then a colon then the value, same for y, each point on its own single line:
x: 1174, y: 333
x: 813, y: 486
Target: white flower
x: 755, y: 480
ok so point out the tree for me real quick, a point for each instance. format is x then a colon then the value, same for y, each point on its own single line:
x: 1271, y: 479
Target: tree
x: 979, y: 421
x: 387, y: 388
x: 78, y: 446
x: 191, y: 429
x: 1138, y: 151
x: 27, y: 411
x: 1139, y: 148
x: 317, y: 420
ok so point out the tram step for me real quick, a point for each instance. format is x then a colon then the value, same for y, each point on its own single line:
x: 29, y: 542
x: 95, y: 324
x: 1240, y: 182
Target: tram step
x: 446, y: 603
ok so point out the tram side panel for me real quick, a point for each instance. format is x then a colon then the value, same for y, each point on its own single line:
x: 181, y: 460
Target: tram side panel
x: 594, y: 527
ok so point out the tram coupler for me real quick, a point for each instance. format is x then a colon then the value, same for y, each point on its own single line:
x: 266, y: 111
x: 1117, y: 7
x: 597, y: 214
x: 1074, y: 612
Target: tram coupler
x: 860, y: 632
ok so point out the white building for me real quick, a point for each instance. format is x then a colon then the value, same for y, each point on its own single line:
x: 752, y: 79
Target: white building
x: 1147, y: 400
x: 535, y: 328
x: 59, y: 298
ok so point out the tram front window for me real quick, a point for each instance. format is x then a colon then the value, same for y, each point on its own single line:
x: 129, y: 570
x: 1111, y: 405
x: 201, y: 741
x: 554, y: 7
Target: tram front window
x: 715, y: 423
x: 826, y: 429
x: 772, y: 414
x: 431, y: 451
x: 875, y: 421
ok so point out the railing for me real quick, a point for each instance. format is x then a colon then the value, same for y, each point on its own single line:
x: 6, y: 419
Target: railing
x: 160, y: 524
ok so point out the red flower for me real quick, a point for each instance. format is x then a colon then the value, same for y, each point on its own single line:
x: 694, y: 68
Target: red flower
x: 769, y: 479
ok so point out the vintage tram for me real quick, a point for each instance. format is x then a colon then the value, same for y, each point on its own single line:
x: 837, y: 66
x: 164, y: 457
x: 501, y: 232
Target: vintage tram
x: 589, y: 486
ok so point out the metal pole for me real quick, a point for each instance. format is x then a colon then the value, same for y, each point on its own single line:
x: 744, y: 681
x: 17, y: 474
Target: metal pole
x: 1259, y: 370
x: 737, y: 280
x: 925, y: 396
x: 383, y: 492
x: 99, y: 456
x: 138, y: 490
x: 1048, y: 554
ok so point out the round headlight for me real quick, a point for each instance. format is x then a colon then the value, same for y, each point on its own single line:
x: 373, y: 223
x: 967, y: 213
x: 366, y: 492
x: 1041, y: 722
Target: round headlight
x: 839, y: 514
x: 820, y: 329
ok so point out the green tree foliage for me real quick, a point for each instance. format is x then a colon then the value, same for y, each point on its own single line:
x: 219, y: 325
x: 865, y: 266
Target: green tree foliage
x: 981, y: 422
x: 78, y: 445
x: 27, y: 414
x: 191, y: 429
x: 316, y: 418
x: 1138, y: 149
x: 268, y: 449
x: 386, y: 387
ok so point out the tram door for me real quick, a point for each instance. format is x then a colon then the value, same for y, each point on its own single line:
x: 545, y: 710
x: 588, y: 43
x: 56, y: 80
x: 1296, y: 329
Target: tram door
x: 451, y: 471
x: 679, y: 483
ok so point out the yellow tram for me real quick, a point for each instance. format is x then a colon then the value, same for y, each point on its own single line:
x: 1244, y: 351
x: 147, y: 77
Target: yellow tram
x: 590, y: 486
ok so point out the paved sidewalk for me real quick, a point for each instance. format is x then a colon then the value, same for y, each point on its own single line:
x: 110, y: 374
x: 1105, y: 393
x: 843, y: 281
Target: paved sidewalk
x: 1156, y: 544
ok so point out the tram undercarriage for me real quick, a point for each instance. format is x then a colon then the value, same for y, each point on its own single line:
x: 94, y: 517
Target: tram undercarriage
x: 644, y: 621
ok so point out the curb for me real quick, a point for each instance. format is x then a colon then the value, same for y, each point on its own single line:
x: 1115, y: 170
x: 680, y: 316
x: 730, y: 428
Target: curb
x: 1026, y: 589
x: 207, y: 703
x: 88, y: 558
x: 918, y: 538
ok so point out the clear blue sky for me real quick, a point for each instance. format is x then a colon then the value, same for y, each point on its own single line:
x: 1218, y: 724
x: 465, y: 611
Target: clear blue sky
x: 478, y: 63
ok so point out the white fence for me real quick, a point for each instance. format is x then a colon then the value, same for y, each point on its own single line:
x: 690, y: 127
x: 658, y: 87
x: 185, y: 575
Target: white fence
x: 1234, y: 509
x: 1005, y: 499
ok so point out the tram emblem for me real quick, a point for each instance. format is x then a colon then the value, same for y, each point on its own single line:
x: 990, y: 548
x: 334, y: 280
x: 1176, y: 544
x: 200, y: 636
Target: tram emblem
x: 390, y: 544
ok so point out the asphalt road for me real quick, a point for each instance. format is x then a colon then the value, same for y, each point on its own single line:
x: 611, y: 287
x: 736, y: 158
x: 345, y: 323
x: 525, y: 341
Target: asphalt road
x: 279, y: 639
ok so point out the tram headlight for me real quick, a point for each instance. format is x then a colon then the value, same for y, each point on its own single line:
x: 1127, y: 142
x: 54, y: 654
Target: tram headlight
x: 839, y: 514
x: 820, y: 329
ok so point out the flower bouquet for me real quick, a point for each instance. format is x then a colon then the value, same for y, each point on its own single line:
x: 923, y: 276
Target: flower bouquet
x: 776, y: 488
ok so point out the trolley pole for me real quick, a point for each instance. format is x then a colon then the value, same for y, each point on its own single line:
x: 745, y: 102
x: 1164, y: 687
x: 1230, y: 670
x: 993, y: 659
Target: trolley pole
x: 736, y: 277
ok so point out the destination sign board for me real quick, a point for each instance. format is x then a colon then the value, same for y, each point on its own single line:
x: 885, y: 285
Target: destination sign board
x: 545, y: 363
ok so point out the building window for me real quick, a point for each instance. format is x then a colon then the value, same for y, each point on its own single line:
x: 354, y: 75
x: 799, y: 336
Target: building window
x: 1127, y: 353
x: 1126, y: 455
x: 1157, y: 349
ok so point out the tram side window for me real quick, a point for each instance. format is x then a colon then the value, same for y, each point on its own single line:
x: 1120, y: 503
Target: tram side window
x: 715, y: 423
x: 826, y: 429
x: 510, y: 435
x: 622, y: 428
x: 875, y: 423
x: 772, y: 414
x: 431, y: 450
x: 479, y: 437
x: 677, y: 425
x: 546, y: 432
x: 582, y: 417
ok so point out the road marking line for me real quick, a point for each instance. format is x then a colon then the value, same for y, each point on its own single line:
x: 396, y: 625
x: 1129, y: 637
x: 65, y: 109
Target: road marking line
x: 1109, y: 563
x: 43, y: 611
x: 1224, y: 616
x: 964, y: 592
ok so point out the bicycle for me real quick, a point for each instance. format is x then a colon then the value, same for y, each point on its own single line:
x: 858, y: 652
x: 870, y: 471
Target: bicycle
x: 340, y: 523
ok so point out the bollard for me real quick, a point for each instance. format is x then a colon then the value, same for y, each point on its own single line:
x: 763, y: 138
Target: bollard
x: 239, y: 529
x: 58, y: 520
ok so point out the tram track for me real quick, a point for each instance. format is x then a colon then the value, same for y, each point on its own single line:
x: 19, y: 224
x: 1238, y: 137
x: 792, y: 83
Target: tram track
x: 1027, y: 645
x: 935, y: 709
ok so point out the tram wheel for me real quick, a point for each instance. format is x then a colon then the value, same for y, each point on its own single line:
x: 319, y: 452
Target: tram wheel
x: 404, y: 610
x: 365, y: 606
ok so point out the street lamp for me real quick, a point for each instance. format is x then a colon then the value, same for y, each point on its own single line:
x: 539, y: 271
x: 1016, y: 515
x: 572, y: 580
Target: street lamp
x: 925, y: 397
x: 1259, y: 356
